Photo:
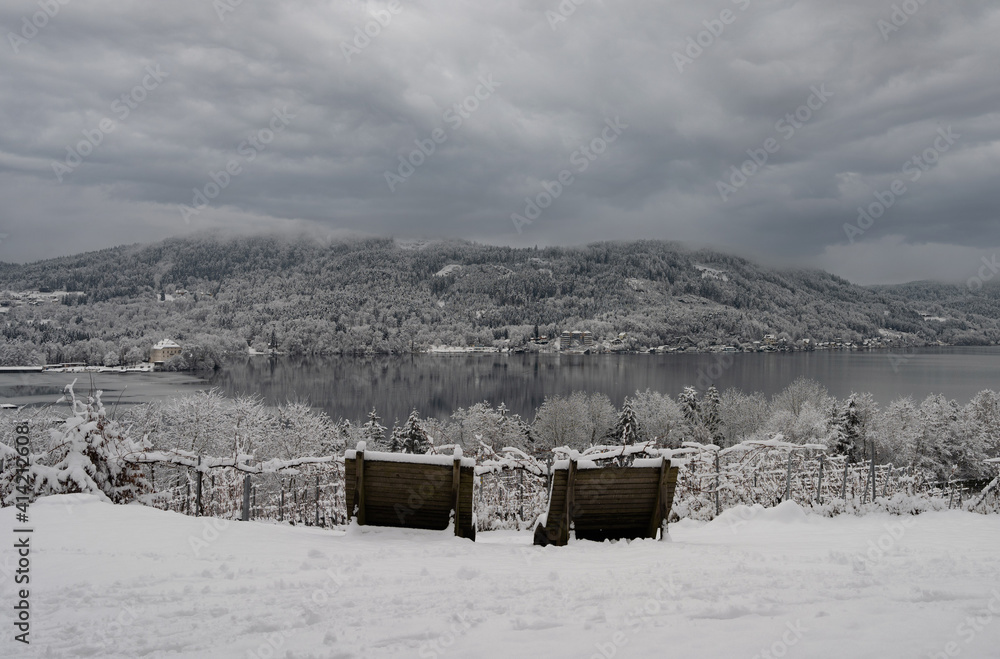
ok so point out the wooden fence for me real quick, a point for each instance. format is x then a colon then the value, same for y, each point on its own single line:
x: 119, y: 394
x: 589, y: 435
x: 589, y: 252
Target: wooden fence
x: 513, y: 492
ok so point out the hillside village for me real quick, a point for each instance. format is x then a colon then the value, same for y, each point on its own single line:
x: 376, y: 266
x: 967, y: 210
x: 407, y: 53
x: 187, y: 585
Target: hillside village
x: 583, y: 342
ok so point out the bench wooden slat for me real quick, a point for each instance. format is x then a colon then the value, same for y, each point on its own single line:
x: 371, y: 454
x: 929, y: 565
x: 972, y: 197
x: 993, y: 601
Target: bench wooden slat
x: 608, y: 503
x: 410, y: 494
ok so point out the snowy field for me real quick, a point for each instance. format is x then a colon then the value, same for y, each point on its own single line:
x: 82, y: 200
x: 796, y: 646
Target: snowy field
x: 130, y: 581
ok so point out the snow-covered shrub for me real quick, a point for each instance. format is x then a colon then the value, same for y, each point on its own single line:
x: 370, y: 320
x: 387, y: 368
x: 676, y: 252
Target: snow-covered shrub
x: 659, y: 417
x: 482, y: 423
x: 579, y: 419
x: 84, y: 454
x: 511, y: 490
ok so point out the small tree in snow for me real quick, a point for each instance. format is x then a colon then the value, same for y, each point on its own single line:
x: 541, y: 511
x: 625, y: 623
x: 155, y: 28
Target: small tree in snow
x: 691, y: 409
x: 710, y: 414
x: 847, y: 428
x: 627, y: 428
x: 688, y: 400
x: 411, y: 437
x: 90, y: 449
x: 373, y: 432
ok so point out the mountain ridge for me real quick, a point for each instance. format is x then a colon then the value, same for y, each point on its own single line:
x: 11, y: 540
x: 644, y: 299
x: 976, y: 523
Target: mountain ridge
x: 381, y: 295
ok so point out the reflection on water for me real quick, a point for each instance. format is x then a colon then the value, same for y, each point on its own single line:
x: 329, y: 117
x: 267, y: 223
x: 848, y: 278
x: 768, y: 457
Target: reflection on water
x: 438, y: 384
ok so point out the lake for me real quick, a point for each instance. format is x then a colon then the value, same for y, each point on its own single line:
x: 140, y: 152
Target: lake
x: 437, y: 384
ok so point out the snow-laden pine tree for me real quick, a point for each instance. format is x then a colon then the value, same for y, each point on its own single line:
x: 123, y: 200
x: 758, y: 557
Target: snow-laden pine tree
x: 347, y: 433
x: 846, y: 428
x: 711, y: 415
x: 373, y: 432
x: 396, y: 438
x: 88, y: 451
x: 688, y: 400
x: 410, y: 437
x: 691, y: 408
x: 627, y: 429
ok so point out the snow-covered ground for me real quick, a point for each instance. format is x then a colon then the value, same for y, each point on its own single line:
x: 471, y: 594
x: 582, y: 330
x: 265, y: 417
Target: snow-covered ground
x: 130, y: 581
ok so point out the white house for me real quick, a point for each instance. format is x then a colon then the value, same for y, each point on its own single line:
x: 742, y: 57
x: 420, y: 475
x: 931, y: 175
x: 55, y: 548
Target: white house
x: 164, y: 350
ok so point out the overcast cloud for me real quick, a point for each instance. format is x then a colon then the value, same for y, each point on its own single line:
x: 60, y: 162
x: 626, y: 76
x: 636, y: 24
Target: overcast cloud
x: 309, y: 117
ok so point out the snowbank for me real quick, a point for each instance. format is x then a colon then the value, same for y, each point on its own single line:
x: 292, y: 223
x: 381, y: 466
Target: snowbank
x: 131, y: 581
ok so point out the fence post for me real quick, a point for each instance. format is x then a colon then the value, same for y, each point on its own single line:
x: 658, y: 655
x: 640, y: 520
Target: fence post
x: 843, y: 488
x: 187, y: 497
x: 456, y: 488
x: 819, y: 483
x: 873, y: 471
x: 520, y: 496
x: 197, y: 490
x: 246, y: 498
x: 718, y: 507
x: 317, y: 499
x: 281, y: 504
x: 788, y: 477
x: 254, y: 513
x: 336, y: 495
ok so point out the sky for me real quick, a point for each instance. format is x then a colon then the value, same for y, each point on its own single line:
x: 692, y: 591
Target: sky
x: 859, y: 136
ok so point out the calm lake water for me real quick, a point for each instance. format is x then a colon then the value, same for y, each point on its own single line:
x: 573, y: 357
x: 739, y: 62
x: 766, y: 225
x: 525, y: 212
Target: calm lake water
x: 437, y: 384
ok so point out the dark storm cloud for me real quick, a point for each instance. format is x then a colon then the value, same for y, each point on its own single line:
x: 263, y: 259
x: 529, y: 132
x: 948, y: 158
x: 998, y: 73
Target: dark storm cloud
x: 203, y: 83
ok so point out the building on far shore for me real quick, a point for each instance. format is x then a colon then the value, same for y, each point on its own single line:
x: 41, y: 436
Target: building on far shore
x: 576, y: 339
x: 163, y: 351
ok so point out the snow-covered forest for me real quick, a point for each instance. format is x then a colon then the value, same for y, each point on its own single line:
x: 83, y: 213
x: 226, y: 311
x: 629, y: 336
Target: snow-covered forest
x: 218, y: 296
x: 735, y: 448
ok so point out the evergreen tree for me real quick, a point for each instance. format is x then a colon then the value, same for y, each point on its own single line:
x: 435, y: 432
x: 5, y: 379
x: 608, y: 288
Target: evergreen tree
x: 627, y: 428
x: 849, y: 429
x: 688, y: 400
x: 691, y: 407
x: 411, y: 437
x: 373, y: 432
x: 89, y: 446
x: 835, y: 421
x: 396, y: 438
x: 710, y: 414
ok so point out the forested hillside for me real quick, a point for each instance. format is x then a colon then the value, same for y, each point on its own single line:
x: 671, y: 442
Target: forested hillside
x: 217, y: 294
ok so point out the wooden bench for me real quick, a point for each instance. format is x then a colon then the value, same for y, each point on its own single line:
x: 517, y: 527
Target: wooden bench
x: 608, y: 503
x: 410, y: 491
